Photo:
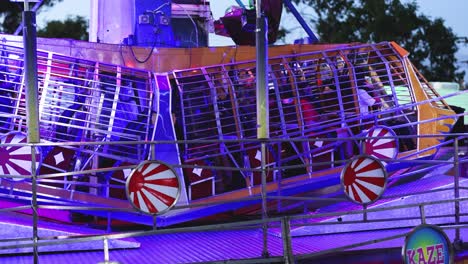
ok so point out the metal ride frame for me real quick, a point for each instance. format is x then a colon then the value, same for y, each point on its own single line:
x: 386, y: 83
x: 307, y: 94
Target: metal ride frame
x: 429, y: 212
x: 110, y: 117
x: 83, y: 100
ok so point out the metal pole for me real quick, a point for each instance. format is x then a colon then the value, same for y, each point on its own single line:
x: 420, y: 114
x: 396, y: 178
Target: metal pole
x: 263, y: 125
x: 265, y: 252
x: 30, y: 62
x: 279, y: 175
x: 20, y: 27
x: 34, y: 204
x: 26, y: 5
x: 364, y: 215
x: 109, y: 221
x: 456, y: 166
x: 106, y: 250
x: 423, y: 214
x: 286, y: 236
x: 153, y: 151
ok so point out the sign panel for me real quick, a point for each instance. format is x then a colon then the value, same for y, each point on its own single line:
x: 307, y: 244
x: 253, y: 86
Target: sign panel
x: 427, y: 244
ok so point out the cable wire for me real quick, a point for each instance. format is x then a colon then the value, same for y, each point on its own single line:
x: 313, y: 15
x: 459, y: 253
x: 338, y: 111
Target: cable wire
x: 147, y: 57
x: 193, y: 22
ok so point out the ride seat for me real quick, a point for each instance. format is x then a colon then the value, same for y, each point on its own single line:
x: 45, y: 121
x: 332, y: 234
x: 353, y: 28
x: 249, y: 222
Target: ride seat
x: 254, y: 160
x: 201, y: 181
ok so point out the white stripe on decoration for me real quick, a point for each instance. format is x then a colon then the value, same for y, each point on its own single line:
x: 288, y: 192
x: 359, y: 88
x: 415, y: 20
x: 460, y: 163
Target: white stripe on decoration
x: 377, y: 173
x: 160, y: 206
x: 373, y: 188
x: 17, y: 138
x: 383, y: 141
x: 142, y: 203
x: 22, y: 150
x: 170, y: 191
x: 363, y: 164
x: 151, y: 167
x: 385, y: 152
x: 167, y: 174
x: 26, y: 165
x: 351, y: 193
x: 11, y: 170
x: 361, y: 194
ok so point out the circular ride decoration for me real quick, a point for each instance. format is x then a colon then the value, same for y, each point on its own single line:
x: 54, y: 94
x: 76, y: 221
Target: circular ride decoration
x: 427, y: 244
x: 364, y: 179
x: 17, y: 160
x: 153, y: 187
x: 381, y: 148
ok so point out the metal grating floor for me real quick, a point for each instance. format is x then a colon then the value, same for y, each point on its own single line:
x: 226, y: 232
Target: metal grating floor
x: 218, y: 246
x: 430, y: 183
x: 222, y: 246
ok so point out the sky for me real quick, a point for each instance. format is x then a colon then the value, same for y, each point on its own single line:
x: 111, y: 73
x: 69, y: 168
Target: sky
x: 454, y: 12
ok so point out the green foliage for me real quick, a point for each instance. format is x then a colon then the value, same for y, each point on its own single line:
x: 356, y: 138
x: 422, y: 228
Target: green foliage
x: 73, y: 27
x: 11, y: 14
x: 432, y: 45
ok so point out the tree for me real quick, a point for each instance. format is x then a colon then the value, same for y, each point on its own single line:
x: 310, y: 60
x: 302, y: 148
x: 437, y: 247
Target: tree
x: 442, y: 47
x: 11, y: 13
x: 73, y: 27
x: 342, y: 21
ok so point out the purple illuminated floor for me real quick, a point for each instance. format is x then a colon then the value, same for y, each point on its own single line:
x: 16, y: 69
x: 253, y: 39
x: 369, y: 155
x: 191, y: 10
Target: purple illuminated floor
x: 217, y: 246
x: 221, y: 246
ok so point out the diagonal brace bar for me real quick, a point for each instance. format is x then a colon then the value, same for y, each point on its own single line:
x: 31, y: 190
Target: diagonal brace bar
x: 301, y: 20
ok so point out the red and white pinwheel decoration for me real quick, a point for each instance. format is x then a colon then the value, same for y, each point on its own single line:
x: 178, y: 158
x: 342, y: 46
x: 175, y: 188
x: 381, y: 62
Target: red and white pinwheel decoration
x: 381, y: 143
x: 153, y: 187
x: 364, y: 179
x: 17, y: 160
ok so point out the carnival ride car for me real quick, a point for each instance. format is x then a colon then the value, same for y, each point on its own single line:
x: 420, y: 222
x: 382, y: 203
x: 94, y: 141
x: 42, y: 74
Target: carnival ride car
x: 202, y: 120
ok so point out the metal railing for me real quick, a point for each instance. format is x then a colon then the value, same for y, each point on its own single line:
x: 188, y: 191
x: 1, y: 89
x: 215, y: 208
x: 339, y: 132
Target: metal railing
x: 455, y: 159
